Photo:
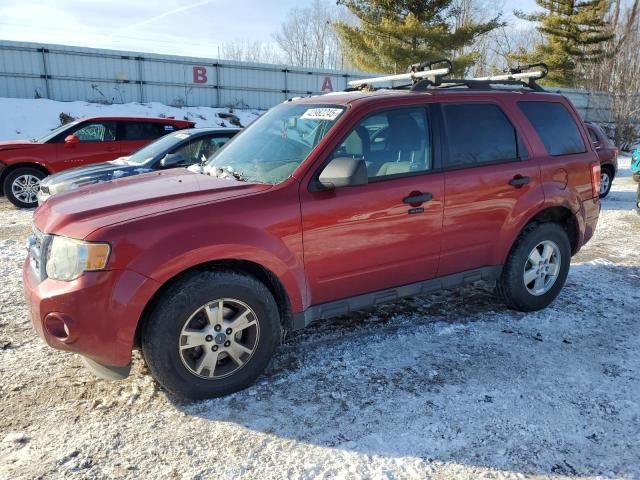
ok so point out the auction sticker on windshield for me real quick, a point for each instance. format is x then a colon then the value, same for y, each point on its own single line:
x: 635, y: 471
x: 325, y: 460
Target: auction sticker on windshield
x: 321, y: 114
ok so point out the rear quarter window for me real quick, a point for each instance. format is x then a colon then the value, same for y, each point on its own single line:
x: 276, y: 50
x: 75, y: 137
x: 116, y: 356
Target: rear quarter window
x: 555, y: 126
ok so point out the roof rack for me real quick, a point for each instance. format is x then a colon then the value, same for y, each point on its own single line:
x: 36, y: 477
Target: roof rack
x: 416, y: 73
x: 424, y: 77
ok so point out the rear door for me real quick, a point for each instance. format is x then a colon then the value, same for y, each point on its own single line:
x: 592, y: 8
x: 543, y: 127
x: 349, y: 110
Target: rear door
x: 365, y: 238
x: 97, y: 144
x: 489, y: 177
x: 135, y: 134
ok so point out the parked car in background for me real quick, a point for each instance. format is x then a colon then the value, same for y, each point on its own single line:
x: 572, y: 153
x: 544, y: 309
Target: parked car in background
x: 322, y: 206
x: 608, y: 155
x: 178, y: 149
x: 24, y: 163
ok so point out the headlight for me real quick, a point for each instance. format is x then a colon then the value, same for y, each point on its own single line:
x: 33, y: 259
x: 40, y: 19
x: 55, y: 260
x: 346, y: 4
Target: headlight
x: 68, y: 258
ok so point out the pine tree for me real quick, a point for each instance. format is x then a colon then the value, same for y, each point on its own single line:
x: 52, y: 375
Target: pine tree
x: 575, y: 32
x: 393, y: 34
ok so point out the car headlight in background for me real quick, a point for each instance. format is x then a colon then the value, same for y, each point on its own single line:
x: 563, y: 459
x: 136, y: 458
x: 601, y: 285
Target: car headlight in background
x: 68, y: 258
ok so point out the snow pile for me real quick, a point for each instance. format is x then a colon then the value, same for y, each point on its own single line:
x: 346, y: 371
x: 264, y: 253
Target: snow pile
x: 33, y: 118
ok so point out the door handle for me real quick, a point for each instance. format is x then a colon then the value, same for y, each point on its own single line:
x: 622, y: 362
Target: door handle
x: 416, y: 198
x: 519, y: 181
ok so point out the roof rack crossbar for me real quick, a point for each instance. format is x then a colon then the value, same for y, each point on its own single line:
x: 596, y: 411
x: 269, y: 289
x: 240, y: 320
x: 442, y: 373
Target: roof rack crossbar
x: 422, y: 76
x: 415, y: 73
x: 438, y: 72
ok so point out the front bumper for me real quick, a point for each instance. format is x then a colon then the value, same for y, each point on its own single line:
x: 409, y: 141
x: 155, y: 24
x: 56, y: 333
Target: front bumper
x: 101, y: 311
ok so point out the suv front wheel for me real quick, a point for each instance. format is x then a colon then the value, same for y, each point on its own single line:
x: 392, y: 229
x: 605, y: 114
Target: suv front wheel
x: 212, y: 334
x: 536, y: 269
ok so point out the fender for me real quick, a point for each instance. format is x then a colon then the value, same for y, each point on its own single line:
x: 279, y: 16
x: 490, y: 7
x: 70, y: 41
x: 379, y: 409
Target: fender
x: 159, y: 252
x: 526, y: 217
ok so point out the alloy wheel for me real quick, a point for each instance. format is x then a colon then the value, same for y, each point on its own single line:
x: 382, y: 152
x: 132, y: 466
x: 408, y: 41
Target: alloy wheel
x: 25, y: 188
x: 219, y: 338
x: 542, y: 268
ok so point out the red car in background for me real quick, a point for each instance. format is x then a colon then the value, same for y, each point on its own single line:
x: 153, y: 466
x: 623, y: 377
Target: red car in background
x: 608, y: 155
x: 23, y: 163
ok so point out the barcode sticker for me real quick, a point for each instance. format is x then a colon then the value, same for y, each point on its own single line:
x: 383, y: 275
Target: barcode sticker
x: 321, y: 114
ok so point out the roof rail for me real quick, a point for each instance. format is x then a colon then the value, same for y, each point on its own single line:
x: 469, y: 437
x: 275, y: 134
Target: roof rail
x: 416, y: 73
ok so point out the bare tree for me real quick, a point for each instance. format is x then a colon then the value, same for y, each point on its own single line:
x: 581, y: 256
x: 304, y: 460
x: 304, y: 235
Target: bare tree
x: 247, y: 51
x: 308, y: 39
x: 619, y: 72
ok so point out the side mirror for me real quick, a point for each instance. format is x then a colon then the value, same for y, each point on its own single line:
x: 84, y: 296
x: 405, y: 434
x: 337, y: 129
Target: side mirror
x: 343, y: 172
x: 172, y: 160
x: 72, y: 139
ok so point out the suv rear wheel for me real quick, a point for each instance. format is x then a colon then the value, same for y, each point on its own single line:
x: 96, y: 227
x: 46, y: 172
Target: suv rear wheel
x: 21, y: 186
x: 212, y: 334
x: 536, y: 269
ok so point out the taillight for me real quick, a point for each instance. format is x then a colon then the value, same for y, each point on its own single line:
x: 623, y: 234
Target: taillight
x: 595, y: 179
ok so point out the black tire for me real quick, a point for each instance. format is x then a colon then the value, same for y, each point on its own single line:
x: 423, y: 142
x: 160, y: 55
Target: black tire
x: 511, y: 287
x: 161, y: 333
x: 608, y: 172
x: 22, y: 172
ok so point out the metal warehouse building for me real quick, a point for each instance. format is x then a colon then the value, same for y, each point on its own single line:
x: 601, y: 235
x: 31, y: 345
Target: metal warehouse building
x: 66, y: 73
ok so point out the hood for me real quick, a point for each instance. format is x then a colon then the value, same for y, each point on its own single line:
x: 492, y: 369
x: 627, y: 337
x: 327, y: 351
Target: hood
x: 90, y: 174
x: 79, y: 212
x: 16, y: 144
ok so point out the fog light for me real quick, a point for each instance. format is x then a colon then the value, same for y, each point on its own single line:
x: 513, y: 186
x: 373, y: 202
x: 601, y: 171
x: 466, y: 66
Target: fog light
x: 58, y: 325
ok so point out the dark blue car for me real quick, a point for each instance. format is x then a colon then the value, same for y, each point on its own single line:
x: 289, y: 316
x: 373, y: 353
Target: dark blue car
x: 178, y: 149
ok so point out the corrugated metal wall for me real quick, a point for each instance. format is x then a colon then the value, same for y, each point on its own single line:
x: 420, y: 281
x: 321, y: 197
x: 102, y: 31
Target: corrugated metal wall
x: 65, y: 73
x: 31, y: 70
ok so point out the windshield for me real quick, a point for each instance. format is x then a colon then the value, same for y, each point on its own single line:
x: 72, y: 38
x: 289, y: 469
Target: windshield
x: 55, y: 131
x: 153, y: 149
x: 275, y: 145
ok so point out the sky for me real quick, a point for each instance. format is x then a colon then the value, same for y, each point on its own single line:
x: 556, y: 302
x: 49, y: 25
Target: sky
x: 181, y: 27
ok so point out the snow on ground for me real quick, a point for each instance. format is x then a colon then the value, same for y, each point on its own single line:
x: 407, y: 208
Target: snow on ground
x: 451, y: 385
x: 33, y: 118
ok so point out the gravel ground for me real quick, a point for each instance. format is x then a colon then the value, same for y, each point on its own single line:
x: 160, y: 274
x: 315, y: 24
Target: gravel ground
x: 451, y: 385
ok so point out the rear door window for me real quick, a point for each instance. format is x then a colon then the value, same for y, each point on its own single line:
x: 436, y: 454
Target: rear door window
x: 479, y: 134
x: 142, y: 130
x: 555, y: 126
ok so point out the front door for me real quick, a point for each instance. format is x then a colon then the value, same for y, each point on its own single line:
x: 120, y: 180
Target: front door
x: 365, y: 238
x: 97, y: 144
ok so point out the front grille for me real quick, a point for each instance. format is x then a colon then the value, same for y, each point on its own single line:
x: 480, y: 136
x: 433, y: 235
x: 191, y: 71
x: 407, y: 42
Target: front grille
x: 37, y: 245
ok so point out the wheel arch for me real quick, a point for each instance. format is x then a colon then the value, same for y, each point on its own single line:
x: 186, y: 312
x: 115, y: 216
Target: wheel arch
x: 256, y: 270
x: 553, y: 214
x: 13, y: 167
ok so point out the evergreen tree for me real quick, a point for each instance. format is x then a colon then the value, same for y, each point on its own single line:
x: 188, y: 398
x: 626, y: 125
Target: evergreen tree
x: 575, y: 32
x: 393, y: 34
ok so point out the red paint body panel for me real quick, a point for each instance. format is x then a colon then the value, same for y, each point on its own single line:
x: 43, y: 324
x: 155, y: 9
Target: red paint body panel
x: 56, y: 156
x: 322, y: 246
x: 100, y: 306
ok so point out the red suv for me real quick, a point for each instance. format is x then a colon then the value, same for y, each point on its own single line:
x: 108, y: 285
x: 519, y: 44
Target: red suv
x: 323, y: 206
x: 89, y: 140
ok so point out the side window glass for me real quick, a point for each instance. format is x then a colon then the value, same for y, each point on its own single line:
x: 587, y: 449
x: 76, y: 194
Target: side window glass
x: 479, y: 133
x: 97, y: 132
x: 192, y: 151
x: 141, y: 131
x: 592, y: 135
x: 391, y: 142
x: 555, y: 126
